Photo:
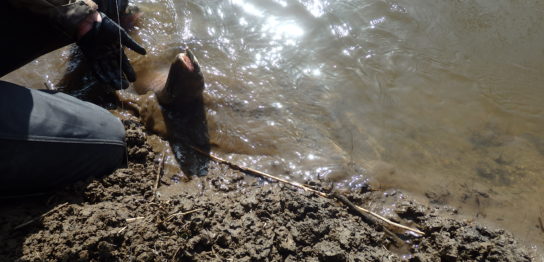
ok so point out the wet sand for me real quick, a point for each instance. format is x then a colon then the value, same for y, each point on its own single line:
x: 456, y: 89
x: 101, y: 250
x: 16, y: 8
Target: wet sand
x: 230, y: 216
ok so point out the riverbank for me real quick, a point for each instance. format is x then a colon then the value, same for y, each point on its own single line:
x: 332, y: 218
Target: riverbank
x: 229, y: 216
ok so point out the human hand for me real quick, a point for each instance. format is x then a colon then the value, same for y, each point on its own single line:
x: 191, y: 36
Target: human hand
x: 101, y: 47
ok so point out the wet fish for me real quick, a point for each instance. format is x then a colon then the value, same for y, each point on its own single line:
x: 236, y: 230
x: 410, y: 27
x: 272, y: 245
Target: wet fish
x: 179, y: 93
x: 171, y: 105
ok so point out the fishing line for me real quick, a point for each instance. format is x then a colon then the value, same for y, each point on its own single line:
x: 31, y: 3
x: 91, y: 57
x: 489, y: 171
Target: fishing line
x: 121, y: 65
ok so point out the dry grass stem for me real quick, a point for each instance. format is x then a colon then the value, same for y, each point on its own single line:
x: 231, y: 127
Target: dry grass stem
x: 158, y: 178
x: 389, y: 221
x: 40, y: 217
x: 129, y: 220
x: 121, y: 230
x: 134, y: 219
x: 183, y: 213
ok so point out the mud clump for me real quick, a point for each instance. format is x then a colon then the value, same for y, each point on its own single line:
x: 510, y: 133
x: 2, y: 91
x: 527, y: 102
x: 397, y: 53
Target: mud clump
x: 231, y: 217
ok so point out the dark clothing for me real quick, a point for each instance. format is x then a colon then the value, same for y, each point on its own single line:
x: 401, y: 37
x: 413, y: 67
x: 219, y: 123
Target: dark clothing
x: 32, y: 28
x: 52, y: 139
x: 48, y: 139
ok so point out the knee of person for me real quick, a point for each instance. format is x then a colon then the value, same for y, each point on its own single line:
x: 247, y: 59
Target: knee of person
x: 114, y: 129
x: 102, y: 125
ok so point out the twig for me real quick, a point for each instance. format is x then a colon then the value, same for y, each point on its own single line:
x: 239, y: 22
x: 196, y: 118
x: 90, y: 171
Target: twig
x: 306, y: 188
x: 40, y: 217
x: 158, y: 179
x: 183, y: 213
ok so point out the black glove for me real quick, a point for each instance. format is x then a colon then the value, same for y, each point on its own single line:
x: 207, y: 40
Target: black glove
x: 111, y: 7
x: 101, y: 48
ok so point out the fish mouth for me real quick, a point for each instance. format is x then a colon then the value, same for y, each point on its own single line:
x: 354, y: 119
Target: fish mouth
x: 189, y: 62
x: 185, y: 82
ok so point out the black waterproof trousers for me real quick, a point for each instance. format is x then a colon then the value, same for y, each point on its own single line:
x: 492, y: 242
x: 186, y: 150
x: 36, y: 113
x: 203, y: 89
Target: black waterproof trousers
x: 47, y: 139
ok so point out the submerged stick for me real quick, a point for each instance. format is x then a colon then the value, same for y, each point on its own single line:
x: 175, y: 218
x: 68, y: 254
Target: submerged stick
x: 306, y: 188
x: 40, y: 217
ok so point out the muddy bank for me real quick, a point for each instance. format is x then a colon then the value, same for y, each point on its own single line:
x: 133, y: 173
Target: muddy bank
x: 228, y: 216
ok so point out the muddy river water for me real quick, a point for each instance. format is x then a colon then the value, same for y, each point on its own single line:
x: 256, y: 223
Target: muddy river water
x: 443, y: 99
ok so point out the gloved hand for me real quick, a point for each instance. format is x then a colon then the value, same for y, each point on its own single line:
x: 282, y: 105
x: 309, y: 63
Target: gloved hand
x: 101, y: 49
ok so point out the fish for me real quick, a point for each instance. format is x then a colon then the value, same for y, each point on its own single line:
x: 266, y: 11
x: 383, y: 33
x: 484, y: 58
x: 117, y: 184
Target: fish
x: 171, y: 104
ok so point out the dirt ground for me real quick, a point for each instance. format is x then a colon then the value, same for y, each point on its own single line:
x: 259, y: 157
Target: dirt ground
x: 228, y: 216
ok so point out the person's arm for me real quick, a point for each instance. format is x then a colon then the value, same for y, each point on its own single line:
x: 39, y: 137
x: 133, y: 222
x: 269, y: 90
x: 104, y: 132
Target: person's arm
x: 100, y: 39
x: 70, y: 16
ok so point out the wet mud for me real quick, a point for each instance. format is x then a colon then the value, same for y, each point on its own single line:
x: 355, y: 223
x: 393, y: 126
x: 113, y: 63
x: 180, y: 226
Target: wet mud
x: 229, y: 216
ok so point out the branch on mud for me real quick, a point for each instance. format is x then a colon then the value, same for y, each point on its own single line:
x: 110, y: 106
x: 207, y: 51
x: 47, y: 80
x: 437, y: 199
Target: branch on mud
x: 336, y: 196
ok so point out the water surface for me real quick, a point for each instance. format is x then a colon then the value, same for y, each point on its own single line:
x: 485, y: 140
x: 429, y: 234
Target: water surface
x: 442, y: 99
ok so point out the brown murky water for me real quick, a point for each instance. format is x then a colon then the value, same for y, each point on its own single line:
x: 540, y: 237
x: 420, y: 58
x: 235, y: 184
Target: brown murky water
x: 438, y: 98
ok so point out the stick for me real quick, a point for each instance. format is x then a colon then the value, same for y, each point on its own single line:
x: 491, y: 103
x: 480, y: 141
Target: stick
x: 157, y: 180
x: 259, y: 173
x: 365, y: 213
x: 40, y: 217
x: 295, y: 184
